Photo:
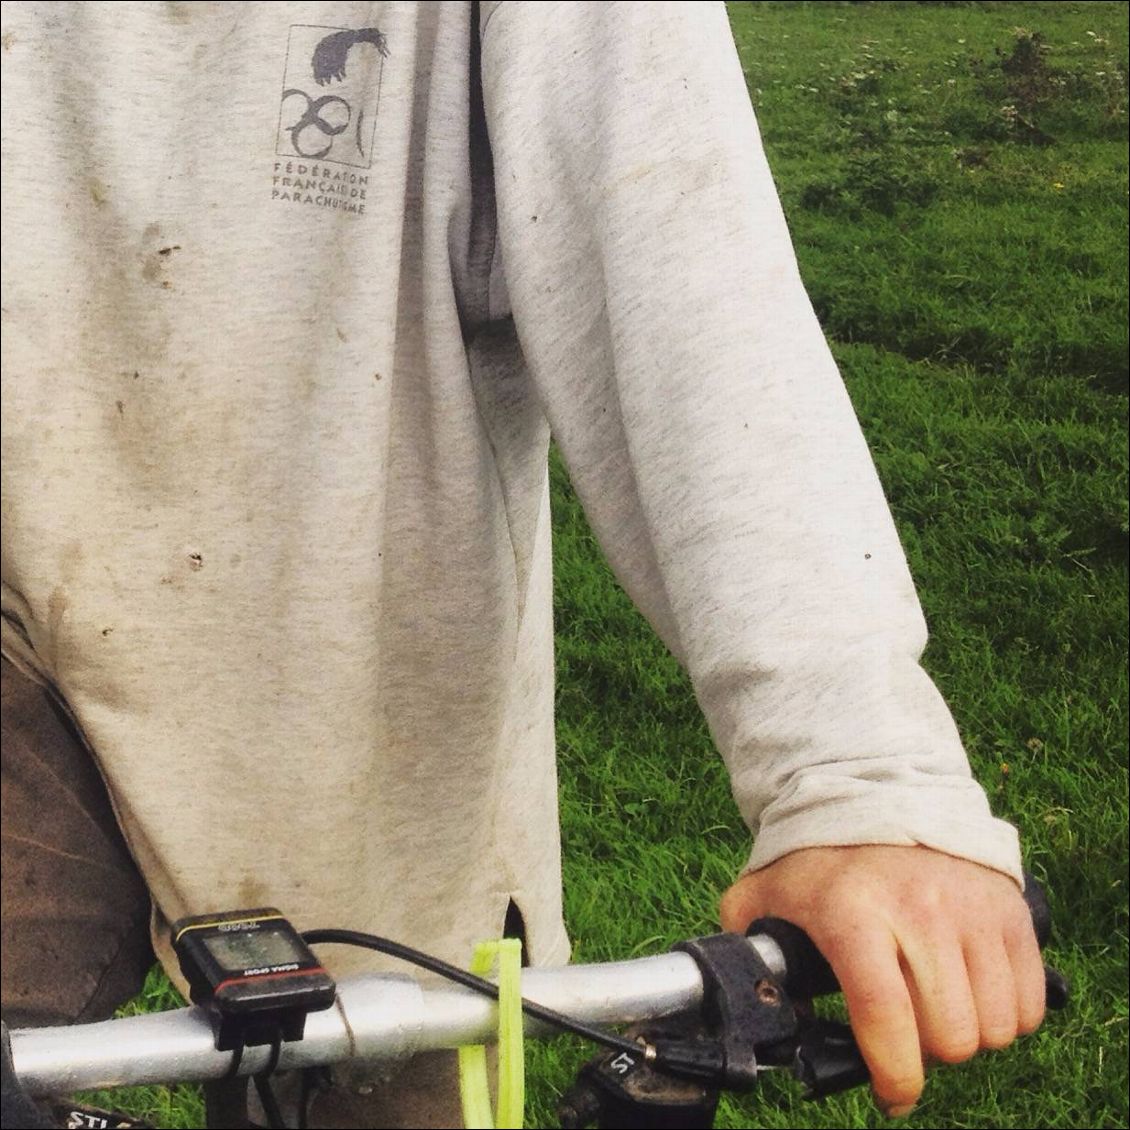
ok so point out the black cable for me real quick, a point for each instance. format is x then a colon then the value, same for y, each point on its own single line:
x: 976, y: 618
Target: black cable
x: 273, y: 1059
x: 270, y: 1103
x: 262, y: 1080
x: 236, y: 1060
x: 470, y: 981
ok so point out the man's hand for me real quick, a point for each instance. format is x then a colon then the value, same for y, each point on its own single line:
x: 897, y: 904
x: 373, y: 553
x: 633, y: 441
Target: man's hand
x: 936, y: 956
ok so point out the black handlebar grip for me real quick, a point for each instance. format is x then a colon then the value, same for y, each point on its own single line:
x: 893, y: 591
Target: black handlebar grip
x: 808, y: 975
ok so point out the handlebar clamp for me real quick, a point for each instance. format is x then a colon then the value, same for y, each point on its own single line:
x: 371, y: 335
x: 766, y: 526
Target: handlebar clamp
x: 746, y: 1023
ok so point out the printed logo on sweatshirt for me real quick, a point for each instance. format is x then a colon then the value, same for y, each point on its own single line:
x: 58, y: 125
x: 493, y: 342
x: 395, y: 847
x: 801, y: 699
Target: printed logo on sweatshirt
x: 331, y: 96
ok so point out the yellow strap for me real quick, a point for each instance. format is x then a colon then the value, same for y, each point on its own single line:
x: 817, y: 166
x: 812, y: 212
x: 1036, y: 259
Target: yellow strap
x: 511, y: 1064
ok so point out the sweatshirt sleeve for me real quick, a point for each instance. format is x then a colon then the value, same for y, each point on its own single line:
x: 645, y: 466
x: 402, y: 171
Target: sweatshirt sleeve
x: 706, y: 429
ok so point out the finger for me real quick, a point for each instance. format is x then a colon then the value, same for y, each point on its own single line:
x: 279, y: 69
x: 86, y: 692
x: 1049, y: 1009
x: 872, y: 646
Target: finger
x: 882, y: 1018
x: 994, y: 991
x: 944, y: 1007
x: 1028, y: 974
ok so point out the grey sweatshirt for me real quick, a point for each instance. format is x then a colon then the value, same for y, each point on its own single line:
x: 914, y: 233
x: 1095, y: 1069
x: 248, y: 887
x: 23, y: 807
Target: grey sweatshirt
x: 293, y: 295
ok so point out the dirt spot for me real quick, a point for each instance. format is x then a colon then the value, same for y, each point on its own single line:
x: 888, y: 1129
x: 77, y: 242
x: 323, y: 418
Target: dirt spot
x: 196, y: 561
x: 99, y: 193
x: 181, y: 12
x: 107, y: 631
x: 376, y: 376
x: 8, y: 40
x: 155, y: 259
x: 252, y: 893
x: 121, y: 407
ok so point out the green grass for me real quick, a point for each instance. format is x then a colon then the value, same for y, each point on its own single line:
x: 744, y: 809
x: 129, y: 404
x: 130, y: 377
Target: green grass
x: 955, y: 178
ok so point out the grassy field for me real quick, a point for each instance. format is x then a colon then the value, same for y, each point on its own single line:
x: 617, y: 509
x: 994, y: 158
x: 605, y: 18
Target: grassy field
x: 955, y: 176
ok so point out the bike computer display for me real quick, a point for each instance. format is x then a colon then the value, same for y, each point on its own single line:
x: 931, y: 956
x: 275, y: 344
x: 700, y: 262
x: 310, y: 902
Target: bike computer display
x: 254, y: 974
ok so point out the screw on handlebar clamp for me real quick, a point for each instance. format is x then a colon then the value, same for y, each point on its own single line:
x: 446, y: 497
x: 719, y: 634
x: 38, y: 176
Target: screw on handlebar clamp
x: 745, y: 1007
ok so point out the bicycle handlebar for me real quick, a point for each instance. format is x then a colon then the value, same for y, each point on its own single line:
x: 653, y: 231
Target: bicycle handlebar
x: 376, y: 1017
x: 386, y: 1016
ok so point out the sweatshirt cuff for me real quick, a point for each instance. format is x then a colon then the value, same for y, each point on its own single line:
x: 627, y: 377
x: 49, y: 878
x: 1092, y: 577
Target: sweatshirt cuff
x: 957, y: 823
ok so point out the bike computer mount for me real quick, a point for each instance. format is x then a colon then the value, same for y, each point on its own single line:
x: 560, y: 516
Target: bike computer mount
x: 253, y: 973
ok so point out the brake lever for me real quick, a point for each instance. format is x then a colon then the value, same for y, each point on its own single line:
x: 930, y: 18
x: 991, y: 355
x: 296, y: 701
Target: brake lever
x: 827, y: 1059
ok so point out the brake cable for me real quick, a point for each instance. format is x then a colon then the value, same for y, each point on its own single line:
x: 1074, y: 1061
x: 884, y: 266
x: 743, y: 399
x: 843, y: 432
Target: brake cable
x: 471, y: 981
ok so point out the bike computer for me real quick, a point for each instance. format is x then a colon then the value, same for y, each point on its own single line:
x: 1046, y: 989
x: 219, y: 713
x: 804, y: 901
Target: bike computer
x: 254, y: 974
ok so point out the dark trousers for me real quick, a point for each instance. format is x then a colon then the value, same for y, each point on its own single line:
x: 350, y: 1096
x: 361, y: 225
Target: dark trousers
x: 75, y: 910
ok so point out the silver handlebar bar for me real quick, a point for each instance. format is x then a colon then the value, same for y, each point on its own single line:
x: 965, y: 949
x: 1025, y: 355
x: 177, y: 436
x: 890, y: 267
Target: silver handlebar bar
x: 377, y: 1017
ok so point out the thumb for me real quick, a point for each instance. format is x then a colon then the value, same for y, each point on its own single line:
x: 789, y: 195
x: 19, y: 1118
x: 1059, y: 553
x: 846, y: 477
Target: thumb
x: 741, y: 904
